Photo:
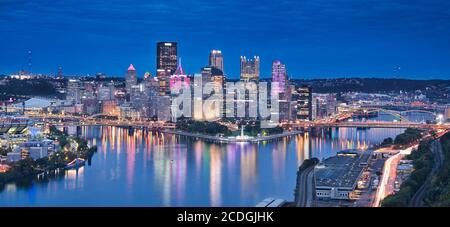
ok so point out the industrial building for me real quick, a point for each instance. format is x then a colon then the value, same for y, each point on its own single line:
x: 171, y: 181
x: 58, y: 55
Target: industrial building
x: 337, y: 176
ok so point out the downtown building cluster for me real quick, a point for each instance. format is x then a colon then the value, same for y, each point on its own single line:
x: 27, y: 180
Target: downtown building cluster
x: 151, y: 97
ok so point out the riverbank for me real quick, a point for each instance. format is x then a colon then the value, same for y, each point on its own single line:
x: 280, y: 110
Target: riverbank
x: 25, y: 171
x: 219, y: 139
x: 305, y: 186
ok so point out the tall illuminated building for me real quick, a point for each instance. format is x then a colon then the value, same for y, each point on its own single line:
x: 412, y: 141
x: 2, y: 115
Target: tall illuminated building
x: 216, y: 59
x: 250, y: 72
x: 74, y: 91
x: 164, y: 81
x: 179, y: 78
x: 250, y: 68
x: 166, y: 56
x: 304, y: 103
x: 131, y: 78
x: 105, y: 92
x: 152, y: 92
x: 282, y: 89
x: 279, y: 75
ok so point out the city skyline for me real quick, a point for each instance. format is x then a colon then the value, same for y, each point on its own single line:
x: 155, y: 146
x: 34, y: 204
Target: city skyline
x: 392, y: 39
x: 226, y: 103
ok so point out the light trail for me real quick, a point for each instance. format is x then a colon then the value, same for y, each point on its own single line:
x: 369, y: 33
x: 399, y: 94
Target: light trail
x: 390, y: 167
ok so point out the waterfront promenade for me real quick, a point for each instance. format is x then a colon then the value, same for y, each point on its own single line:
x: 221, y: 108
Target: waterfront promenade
x: 232, y: 139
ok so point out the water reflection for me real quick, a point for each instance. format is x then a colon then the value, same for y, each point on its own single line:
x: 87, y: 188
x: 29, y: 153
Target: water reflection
x: 145, y: 168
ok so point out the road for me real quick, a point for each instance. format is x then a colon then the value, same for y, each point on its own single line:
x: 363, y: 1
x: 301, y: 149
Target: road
x: 417, y: 199
x: 79, y: 120
x: 305, y: 187
x: 370, y: 124
x: 385, y: 187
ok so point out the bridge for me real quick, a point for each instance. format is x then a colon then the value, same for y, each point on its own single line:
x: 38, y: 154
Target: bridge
x: 74, y: 120
x: 371, y: 124
x: 117, y: 123
x: 397, y: 114
x: 71, y: 120
x: 165, y: 125
x: 13, y: 127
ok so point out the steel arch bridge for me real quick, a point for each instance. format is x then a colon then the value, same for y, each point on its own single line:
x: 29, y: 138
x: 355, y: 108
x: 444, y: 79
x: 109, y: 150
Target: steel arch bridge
x: 94, y: 116
x: 398, y: 114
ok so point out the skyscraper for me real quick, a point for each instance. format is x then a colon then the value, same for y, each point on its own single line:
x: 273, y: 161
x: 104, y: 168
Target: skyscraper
x: 279, y: 75
x: 249, y: 68
x: 152, y: 92
x: 179, y: 79
x: 131, y: 78
x: 164, y: 81
x: 166, y: 56
x: 74, y: 91
x: 216, y: 59
x: 304, y: 103
x: 105, y: 92
x: 282, y: 89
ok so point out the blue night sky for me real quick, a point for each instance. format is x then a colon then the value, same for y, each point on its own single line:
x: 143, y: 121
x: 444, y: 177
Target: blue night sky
x: 314, y: 38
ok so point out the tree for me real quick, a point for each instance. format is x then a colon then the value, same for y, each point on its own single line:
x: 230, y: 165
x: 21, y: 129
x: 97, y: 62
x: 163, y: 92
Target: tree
x: 5, y: 151
x: 387, y: 141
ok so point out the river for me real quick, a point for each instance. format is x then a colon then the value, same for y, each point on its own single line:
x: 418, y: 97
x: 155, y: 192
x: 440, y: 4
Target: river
x: 141, y: 168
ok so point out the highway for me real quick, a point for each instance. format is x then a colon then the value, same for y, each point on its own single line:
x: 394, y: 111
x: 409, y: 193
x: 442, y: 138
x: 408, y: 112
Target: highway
x: 390, y: 170
x: 305, y: 186
x: 330, y: 123
x: 417, y: 199
x: 370, y: 124
x: 385, y: 187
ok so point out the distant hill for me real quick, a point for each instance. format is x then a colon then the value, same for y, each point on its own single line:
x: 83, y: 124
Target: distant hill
x: 371, y: 85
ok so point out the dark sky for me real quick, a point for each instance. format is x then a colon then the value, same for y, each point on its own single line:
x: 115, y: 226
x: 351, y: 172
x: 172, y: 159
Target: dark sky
x: 314, y: 38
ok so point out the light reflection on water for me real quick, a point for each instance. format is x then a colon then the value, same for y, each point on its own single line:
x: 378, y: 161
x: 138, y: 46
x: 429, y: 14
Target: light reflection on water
x: 141, y: 168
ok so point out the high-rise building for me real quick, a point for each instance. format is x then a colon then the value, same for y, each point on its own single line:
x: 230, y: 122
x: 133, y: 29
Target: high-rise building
x: 211, y: 74
x: 105, y: 92
x: 131, y: 78
x: 164, y: 81
x: 163, y: 108
x: 279, y: 76
x: 218, y: 77
x: 281, y: 88
x: 73, y: 91
x: 304, y: 103
x: 206, y: 75
x: 250, y: 68
x: 216, y: 59
x: 179, y: 78
x: 285, y: 107
x: 152, y: 92
x: 166, y: 56
x: 138, y: 97
x: 331, y: 104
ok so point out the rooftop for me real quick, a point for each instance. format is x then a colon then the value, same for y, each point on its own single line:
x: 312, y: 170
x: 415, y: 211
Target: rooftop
x: 340, y: 171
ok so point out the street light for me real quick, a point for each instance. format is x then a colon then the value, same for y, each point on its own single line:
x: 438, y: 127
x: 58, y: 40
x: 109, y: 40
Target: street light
x: 440, y: 118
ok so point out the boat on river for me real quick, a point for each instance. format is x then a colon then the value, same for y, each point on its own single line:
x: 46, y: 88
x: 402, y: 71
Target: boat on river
x: 76, y: 163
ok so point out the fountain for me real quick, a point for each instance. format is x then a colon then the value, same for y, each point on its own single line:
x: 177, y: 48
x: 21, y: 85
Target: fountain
x: 243, y: 137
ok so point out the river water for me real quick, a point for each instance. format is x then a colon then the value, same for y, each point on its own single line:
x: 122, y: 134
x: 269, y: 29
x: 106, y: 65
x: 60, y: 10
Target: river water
x: 141, y: 168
